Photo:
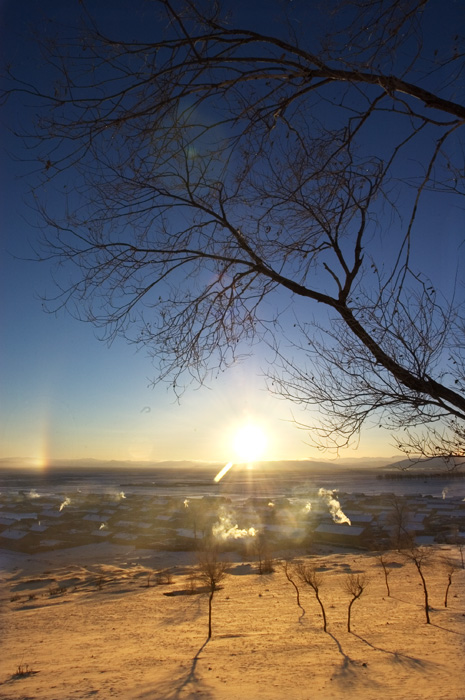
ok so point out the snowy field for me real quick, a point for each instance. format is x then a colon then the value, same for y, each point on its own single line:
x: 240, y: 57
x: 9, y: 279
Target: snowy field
x: 95, y: 622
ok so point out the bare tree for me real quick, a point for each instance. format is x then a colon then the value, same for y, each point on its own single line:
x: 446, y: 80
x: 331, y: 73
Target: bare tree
x: 398, y: 518
x: 211, y: 571
x: 460, y: 546
x: 355, y: 584
x: 289, y: 572
x: 457, y: 539
x: 224, y: 186
x: 309, y: 575
x: 384, y: 561
x: 195, y: 514
x: 421, y: 557
x: 451, y: 566
x: 262, y: 549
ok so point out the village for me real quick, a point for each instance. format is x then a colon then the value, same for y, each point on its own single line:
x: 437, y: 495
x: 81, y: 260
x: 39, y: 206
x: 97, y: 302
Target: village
x: 32, y: 523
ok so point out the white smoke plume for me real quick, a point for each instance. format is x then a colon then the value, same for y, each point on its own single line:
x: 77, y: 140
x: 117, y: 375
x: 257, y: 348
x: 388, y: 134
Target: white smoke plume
x: 116, y: 495
x: 271, y: 504
x: 307, y: 507
x: 334, y: 507
x: 186, y: 503
x: 66, y: 502
x: 102, y: 526
x: 33, y: 494
x: 444, y: 493
x: 225, y: 530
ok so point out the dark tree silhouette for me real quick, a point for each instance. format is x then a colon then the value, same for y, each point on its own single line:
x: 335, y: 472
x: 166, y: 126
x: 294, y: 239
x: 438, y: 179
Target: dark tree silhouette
x: 219, y: 185
x: 289, y: 571
x: 384, y: 561
x: 451, y: 566
x: 421, y: 557
x: 458, y: 540
x: 309, y: 575
x: 262, y: 549
x: 355, y: 584
x: 398, y: 518
x: 211, y: 571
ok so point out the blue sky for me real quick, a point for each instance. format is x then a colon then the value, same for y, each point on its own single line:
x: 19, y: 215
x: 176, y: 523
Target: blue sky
x: 65, y: 394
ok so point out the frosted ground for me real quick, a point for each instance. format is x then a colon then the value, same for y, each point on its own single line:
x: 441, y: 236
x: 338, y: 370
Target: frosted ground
x: 95, y: 622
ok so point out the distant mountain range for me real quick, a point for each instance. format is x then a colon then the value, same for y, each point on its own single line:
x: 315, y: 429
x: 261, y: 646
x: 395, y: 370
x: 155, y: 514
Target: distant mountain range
x: 89, y: 463
x: 437, y: 464
x: 382, y: 463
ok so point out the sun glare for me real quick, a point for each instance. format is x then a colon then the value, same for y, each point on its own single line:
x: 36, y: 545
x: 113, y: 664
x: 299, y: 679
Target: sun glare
x: 250, y: 443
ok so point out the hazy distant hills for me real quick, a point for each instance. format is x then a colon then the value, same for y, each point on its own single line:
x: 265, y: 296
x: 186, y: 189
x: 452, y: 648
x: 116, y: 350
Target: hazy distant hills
x: 90, y: 463
x: 379, y: 463
x: 364, y: 462
x: 286, y: 465
x: 438, y: 464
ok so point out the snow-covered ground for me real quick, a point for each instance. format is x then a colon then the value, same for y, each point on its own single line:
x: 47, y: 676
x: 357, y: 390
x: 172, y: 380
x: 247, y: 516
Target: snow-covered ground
x: 108, y: 634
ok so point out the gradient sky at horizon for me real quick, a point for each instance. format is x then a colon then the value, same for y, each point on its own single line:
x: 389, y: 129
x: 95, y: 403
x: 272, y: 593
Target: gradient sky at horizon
x: 64, y: 394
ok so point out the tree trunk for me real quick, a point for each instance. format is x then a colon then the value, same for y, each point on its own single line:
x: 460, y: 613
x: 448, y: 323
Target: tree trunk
x: 210, y: 614
x: 386, y: 574
x: 323, y: 611
x: 425, y: 590
x: 348, y: 614
x: 447, y: 590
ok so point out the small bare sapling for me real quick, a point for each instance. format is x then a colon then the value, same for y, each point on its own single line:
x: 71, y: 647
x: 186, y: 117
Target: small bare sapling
x: 211, y: 571
x: 289, y: 571
x: 461, y: 547
x: 192, y: 580
x: 355, y: 584
x: 22, y: 670
x: 421, y: 557
x: 451, y: 566
x: 398, y: 518
x: 164, y: 577
x: 309, y: 575
x: 383, y: 560
x: 262, y: 551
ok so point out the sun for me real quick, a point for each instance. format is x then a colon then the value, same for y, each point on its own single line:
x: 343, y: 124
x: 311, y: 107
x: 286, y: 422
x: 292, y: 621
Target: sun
x: 250, y: 442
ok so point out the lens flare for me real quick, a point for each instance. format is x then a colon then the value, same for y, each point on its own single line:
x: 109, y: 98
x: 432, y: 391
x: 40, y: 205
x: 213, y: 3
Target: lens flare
x: 223, y: 471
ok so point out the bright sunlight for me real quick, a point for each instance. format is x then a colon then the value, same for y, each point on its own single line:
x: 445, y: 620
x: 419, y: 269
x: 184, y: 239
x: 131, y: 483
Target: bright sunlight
x: 249, y: 443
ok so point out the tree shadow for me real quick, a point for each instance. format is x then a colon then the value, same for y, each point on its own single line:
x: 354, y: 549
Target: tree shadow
x: 191, y: 677
x: 348, y: 667
x: 397, y: 656
x: 242, y: 570
x: 346, y: 659
x: 446, y: 629
x: 407, y: 602
x: 351, y: 672
x: 174, y: 688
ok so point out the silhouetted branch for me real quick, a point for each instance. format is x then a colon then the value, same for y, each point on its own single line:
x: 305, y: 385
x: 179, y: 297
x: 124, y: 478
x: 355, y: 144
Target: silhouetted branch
x: 219, y: 185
